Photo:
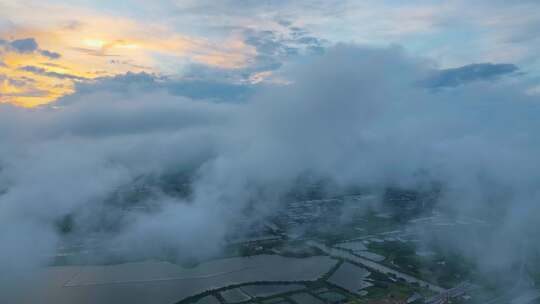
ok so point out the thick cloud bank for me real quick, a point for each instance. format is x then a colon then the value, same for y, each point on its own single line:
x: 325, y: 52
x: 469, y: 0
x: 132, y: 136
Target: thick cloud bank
x: 356, y: 116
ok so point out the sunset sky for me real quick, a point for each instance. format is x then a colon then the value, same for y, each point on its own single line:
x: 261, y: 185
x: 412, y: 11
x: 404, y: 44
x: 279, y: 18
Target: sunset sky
x: 48, y: 47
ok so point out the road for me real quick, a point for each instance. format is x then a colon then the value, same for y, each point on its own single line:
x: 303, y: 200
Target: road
x: 334, y: 252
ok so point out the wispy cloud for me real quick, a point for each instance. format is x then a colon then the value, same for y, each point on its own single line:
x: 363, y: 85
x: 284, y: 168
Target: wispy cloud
x: 45, y: 72
x: 469, y: 73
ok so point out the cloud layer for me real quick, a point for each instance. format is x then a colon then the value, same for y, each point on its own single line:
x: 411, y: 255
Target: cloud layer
x: 353, y: 115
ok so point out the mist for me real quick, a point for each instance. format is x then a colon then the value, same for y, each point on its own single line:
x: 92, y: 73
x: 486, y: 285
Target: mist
x: 355, y: 115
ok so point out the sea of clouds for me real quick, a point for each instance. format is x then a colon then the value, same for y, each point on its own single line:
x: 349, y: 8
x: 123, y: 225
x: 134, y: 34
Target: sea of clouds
x: 354, y: 115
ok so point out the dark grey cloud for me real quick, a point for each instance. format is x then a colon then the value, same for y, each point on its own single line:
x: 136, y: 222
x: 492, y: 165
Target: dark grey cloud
x: 469, y: 73
x: 196, y: 85
x: 27, y: 46
x: 52, y: 64
x: 50, y: 54
x: 41, y: 71
x: 20, y: 82
x: 121, y: 83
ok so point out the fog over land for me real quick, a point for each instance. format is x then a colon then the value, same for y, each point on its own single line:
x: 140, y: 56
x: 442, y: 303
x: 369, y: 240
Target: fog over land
x: 355, y: 116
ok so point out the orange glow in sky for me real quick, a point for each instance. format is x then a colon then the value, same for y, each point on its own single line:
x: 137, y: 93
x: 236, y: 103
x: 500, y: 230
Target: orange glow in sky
x: 97, y: 45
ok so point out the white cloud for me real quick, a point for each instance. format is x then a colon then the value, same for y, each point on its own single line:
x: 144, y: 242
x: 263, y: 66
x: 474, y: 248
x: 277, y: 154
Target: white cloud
x: 353, y: 115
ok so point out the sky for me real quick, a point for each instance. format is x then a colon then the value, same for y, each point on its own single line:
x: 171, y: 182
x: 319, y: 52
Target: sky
x: 49, y: 47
